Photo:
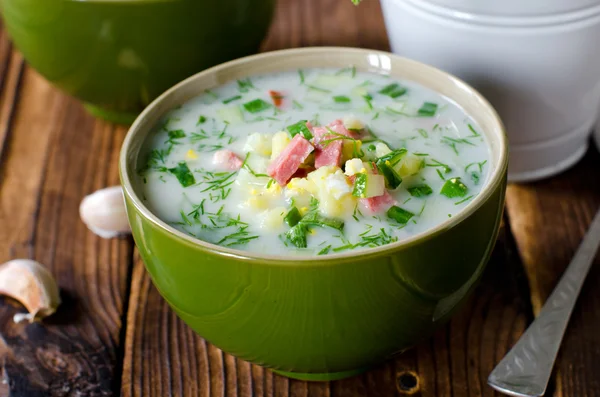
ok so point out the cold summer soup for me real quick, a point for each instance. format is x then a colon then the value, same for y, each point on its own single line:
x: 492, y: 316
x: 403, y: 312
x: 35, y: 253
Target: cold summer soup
x: 312, y: 162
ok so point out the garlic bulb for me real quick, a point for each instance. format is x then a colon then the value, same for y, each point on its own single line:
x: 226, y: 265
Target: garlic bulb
x: 30, y: 283
x: 104, y: 213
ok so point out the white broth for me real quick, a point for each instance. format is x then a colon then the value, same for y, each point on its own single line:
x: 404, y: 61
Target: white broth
x: 392, y: 158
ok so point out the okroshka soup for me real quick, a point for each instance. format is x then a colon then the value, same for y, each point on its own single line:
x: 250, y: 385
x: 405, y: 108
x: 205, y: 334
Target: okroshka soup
x: 317, y: 221
x: 312, y: 162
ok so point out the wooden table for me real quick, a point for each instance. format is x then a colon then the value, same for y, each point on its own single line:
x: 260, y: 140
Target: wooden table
x: 114, y: 334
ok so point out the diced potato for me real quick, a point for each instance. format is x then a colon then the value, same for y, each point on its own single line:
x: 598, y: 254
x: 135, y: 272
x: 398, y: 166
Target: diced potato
x: 246, y: 181
x: 350, y: 149
x: 337, y: 208
x: 257, y: 203
x: 409, y: 165
x: 272, y: 219
x: 258, y: 143
x: 352, y: 123
x: 353, y: 166
x: 381, y: 149
x: 333, y: 191
x: 280, y: 140
x: 258, y: 164
x: 232, y: 114
x: 301, y: 190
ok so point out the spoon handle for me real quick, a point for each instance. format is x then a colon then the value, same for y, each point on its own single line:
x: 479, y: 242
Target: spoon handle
x: 526, y: 369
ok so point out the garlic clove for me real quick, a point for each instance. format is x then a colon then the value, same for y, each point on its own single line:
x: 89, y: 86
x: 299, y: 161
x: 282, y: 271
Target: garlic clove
x: 32, y: 285
x: 104, y: 213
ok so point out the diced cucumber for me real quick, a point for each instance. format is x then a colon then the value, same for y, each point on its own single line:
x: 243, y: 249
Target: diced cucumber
x: 409, y: 165
x: 368, y: 185
x: 400, y: 215
x: 231, y: 115
x: 454, y: 187
x: 393, y: 157
x: 256, y: 164
x: 328, y: 81
x: 313, y: 218
x: 392, y: 178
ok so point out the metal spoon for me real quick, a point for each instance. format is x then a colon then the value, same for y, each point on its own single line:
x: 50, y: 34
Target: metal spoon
x: 526, y: 369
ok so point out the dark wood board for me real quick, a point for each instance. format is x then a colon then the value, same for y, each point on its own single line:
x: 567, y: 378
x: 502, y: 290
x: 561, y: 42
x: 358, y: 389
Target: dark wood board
x: 115, y: 335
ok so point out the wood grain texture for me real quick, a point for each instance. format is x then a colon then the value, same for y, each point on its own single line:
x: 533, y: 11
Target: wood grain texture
x: 549, y: 219
x: 52, y: 154
x: 165, y: 358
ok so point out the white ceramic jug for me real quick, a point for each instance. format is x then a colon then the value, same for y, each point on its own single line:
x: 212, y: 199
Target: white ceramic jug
x: 538, y: 62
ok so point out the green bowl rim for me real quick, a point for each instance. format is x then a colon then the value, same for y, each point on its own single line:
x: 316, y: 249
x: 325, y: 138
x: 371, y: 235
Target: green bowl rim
x: 494, y: 180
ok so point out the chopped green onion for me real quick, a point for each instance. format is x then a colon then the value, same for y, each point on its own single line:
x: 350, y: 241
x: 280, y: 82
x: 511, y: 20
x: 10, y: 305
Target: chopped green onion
x: 422, y: 132
x: 313, y: 218
x: 183, y: 174
x: 201, y: 120
x: 428, y: 109
x: 420, y: 190
x: 257, y: 105
x: 454, y: 188
x: 233, y: 98
x: 393, y: 90
x: 297, y: 235
x: 176, y: 134
x: 293, y: 217
x: 341, y: 99
x: 400, y: 215
x: 299, y: 128
x: 244, y: 85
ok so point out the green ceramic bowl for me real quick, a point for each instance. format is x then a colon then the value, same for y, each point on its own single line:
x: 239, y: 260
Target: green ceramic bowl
x: 315, y: 317
x: 118, y: 55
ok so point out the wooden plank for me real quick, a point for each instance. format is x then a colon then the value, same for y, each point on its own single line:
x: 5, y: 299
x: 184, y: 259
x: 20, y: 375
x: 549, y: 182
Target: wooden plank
x: 549, y: 219
x: 53, y: 154
x: 165, y: 358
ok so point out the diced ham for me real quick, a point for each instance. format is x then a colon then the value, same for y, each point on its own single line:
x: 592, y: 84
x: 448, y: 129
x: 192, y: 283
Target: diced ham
x: 289, y: 160
x: 227, y: 160
x: 330, y: 153
x: 276, y: 97
x: 339, y: 127
x: 302, y: 172
x: 378, y: 204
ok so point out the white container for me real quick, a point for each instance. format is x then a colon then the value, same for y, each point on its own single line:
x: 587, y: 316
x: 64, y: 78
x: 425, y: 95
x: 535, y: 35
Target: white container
x: 537, y: 61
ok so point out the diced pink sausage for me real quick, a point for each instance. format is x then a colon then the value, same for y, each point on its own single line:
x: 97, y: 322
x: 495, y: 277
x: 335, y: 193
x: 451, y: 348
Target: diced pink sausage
x: 339, y: 127
x: 289, y: 160
x: 328, y: 154
x: 227, y: 160
x: 378, y: 204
